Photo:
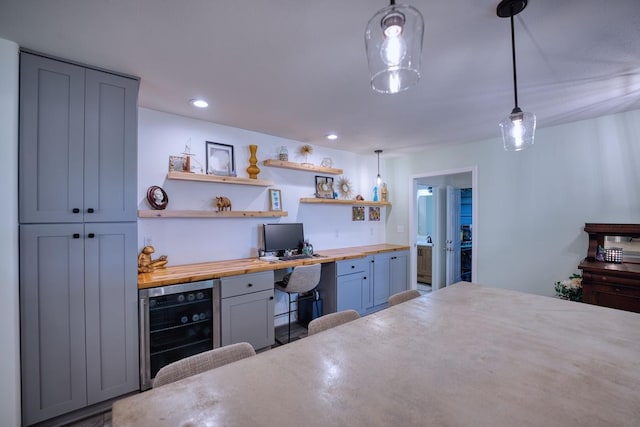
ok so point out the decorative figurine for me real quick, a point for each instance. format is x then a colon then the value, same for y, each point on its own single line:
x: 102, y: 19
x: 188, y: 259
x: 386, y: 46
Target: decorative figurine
x: 384, y: 193
x: 223, y: 203
x: 146, y: 264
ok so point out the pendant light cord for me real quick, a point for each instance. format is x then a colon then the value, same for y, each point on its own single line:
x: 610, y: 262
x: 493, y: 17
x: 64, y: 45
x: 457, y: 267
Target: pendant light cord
x: 513, y: 55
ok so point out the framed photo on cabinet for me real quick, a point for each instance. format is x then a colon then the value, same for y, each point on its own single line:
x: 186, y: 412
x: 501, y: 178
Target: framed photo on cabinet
x: 220, y: 159
x: 275, y: 200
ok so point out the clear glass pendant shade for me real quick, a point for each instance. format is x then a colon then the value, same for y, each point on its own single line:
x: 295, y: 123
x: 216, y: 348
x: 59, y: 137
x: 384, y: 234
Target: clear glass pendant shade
x: 393, y: 40
x: 518, y: 130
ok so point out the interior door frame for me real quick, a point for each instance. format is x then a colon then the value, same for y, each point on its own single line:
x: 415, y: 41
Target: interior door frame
x: 413, y: 225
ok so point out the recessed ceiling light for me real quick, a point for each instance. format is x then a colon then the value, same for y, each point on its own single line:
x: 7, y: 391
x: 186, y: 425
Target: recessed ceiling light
x: 332, y: 137
x: 200, y: 103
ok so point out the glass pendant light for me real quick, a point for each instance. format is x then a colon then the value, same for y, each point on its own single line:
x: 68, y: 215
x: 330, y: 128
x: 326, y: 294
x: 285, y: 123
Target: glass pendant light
x: 518, y: 128
x: 393, y: 40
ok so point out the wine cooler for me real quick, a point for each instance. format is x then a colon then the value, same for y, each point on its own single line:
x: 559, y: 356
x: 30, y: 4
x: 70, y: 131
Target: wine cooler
x: 176, y: 321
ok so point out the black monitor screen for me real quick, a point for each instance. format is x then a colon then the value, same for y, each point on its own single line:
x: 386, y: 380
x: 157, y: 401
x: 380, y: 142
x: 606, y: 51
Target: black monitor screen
x: 281, y: 237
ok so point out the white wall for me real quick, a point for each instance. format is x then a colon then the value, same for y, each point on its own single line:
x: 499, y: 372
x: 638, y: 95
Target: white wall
x: 9, y: 304
x: 532, y: 205
x: 199, y: 240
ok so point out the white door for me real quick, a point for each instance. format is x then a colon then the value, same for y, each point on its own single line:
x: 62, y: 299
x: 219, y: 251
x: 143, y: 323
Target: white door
x: 452, y: 242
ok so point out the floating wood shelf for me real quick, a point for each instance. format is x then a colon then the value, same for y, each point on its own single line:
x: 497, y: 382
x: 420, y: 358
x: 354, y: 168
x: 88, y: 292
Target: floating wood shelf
x: 301, y: 167
x: 210, y: 214
x: 343, y: 202
x: 186, y: 176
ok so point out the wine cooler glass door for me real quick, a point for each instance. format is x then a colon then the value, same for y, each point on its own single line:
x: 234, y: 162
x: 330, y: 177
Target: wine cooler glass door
x: 180, y: 321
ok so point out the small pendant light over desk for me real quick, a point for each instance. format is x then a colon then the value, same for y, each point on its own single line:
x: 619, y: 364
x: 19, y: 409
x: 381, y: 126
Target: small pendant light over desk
x: 378, y: 178
x: 518, y: 128
x: 393, y: 40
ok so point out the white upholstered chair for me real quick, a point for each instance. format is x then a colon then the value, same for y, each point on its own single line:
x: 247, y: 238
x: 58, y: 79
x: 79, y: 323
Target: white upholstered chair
x: 403, y: 296
x: 332, y: 320
x: 303, y: 278
x: 201, y: 362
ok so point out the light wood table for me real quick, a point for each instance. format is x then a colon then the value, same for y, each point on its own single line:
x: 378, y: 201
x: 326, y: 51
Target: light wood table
x: 466, y: 355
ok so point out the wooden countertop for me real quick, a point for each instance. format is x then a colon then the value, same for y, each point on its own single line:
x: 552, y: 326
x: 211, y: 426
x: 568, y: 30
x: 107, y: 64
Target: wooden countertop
x: 217, y: 269
x: 464, y: 355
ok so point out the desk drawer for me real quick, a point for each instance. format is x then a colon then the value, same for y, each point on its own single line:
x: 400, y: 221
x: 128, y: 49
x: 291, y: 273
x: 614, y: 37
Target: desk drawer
x: 246, y: 283
x: 351, y: 266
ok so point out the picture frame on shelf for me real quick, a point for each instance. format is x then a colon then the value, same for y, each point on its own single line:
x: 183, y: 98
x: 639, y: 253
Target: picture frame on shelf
x: 324, y: 187
x: 177, y: 163
x: 220, y: 159
x: 275, y: 200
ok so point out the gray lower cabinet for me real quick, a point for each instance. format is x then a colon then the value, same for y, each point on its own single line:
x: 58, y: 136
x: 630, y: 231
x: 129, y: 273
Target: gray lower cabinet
x: 390, y: 275
x: 78, y: 313
x: 352, y: 285
x: 247, y: 309
x: 78, y: 151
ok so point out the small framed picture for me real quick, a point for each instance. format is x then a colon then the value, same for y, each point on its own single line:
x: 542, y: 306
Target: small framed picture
x: 177, y: 163
x: 220, y: 159
x: 324, y: 187
x: 275, y: 200
x: 374, y: 213
x: 357, y: 213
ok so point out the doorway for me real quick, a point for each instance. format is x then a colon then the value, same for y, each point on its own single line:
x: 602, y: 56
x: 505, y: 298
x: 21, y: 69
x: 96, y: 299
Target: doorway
x: 443, y: 219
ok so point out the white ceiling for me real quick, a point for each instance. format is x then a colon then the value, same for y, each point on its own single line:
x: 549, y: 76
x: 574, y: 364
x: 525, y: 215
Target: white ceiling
x: 297, y: 69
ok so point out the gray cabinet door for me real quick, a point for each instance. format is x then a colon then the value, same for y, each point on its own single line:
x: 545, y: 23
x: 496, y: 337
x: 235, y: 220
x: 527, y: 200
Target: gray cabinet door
x: 110, y: 168
x: 51, y: 140
x: 111, y: 296
x: 78, y: 143
x: 381, y: 278
x: 353, y: 292
x: 398, y: 269
x: 52, y: 326
x: 248, y: 318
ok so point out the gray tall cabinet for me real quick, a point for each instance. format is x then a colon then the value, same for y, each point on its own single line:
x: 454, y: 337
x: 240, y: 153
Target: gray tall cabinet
x: 78, y: 233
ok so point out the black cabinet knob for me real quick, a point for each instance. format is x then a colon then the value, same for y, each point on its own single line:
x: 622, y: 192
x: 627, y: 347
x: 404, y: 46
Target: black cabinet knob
x: 91, y: 235
x: 249, y: 284
x: 76, y: 235
x: 364, y: 278
x: 75, y: 210
x: 353, y: 266
x: 90, y: 210
x: 270, y: 297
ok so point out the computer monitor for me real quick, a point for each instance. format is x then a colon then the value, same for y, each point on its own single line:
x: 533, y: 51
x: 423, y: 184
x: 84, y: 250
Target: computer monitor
x: 282, y: 237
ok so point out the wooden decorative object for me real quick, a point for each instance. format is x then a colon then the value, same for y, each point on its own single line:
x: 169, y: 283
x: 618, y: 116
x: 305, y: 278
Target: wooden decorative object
x: 253, y: 170
x: 146, y: 264
x: 223, y: 203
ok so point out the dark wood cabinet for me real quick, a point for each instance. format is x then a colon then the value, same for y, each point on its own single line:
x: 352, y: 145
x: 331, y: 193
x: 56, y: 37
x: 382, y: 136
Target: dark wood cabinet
x: 614, y: 285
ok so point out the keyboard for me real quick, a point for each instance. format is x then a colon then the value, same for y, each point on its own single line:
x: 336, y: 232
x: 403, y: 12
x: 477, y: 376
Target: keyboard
x: 292, y: 257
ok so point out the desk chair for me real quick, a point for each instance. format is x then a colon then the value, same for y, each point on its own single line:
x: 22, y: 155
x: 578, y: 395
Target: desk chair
x: 202, y: 362
x: 403, y: 296
x: 332, y: 320
x: 303, y: 278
